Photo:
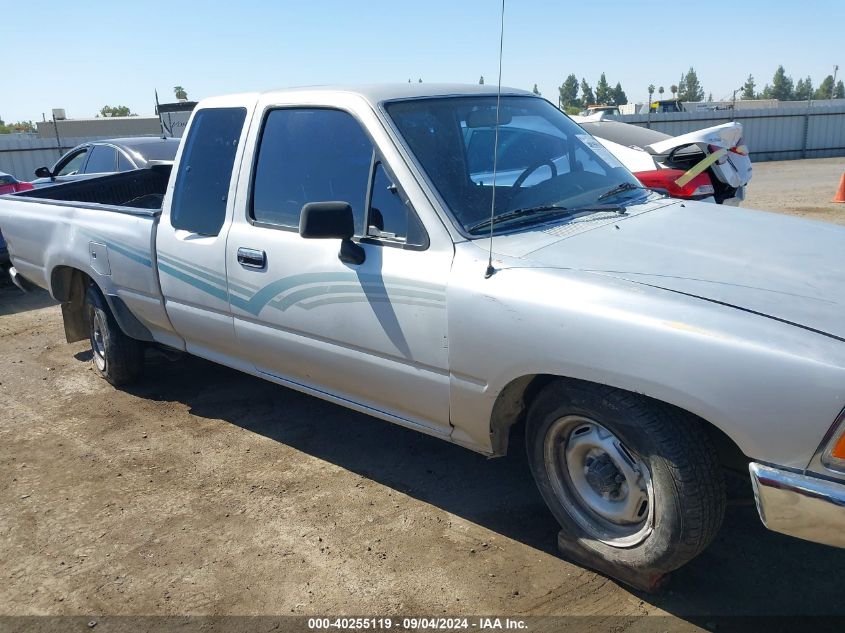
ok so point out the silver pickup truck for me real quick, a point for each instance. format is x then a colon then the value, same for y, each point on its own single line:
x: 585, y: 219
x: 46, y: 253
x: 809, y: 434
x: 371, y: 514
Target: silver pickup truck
x: 354, y: 244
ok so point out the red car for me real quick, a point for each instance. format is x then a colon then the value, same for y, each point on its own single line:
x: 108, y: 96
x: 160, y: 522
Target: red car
x: 9, y: 184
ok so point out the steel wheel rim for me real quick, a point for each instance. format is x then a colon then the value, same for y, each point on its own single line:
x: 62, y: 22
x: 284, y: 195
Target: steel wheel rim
x: 605, y: 487
x: 98, y: 344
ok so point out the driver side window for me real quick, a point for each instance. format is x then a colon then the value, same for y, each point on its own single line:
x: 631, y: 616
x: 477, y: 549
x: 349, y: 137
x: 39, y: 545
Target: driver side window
x: 74, y: 164
x: 310, y: 155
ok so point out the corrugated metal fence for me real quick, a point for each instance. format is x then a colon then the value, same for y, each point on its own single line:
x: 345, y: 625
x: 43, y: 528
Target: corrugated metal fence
x: 770, y: 134
x: 22, y: 154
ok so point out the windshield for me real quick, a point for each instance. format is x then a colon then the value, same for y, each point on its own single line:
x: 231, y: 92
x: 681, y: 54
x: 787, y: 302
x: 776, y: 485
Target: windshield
x: 544, y: 159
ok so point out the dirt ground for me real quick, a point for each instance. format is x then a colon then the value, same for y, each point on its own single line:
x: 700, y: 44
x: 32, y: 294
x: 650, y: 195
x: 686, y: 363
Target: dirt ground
x: 800, y: 187
x: 206, y: 491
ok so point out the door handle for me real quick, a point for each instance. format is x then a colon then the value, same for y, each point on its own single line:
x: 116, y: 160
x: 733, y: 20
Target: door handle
x: 251, y: 258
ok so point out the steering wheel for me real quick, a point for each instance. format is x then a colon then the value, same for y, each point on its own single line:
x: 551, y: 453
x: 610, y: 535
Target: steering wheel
x: 532, y: 168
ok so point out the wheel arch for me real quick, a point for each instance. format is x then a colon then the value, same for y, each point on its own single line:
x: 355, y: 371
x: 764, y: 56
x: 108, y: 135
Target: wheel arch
x: 74, y: 289
x: 69, y: 286
x: 513, y: 402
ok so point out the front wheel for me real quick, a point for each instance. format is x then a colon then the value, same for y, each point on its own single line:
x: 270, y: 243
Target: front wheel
x: 635, y: 485
x: 117, y: 357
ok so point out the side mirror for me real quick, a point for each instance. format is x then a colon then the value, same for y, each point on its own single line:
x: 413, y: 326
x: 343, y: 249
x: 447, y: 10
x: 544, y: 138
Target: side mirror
x: 43, y: 172
x: 332, y: 220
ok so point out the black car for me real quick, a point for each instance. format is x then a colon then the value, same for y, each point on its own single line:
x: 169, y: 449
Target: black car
x: 108, y: 156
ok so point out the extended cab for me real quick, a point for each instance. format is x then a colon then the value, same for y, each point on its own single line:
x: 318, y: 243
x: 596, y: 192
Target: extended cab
x: 368, y: 247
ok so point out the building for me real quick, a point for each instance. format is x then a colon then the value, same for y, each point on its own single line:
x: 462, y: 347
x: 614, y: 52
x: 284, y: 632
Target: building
x: 112, y: 127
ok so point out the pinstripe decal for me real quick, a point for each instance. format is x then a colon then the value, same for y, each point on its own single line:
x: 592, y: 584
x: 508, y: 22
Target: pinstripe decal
x: 306, y: 290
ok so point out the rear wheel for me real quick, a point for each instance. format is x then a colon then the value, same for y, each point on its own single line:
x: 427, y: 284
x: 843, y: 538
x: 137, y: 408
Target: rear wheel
x: 635, y: 485
x: 117, y: 357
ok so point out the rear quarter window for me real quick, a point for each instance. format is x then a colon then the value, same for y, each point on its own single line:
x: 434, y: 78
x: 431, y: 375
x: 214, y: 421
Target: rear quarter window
x: 103, y: 160
x: 205, y: 170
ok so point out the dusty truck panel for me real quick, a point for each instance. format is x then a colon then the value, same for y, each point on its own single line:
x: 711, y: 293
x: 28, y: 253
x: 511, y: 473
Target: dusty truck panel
x: 643, y: 335
x: 349, y: 243
x: 51, y: 240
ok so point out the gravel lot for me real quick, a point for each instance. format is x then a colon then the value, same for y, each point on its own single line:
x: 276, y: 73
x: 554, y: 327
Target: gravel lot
x: 206, y: 491
x: 800, y: 187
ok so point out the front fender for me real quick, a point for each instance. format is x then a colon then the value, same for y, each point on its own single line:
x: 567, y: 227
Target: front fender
x: 773, y: 388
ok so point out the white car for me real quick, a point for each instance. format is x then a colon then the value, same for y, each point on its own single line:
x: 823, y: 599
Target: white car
x: 710, y: 164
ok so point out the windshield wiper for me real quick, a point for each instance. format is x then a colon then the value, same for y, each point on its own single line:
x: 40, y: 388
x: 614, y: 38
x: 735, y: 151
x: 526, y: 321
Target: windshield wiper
x: 601, y: 207
x: 622, y: 186
x: 519, y: 213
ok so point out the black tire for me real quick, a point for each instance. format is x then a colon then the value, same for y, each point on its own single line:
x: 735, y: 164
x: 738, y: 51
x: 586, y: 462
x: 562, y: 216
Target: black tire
x: 683, y: 484
x: 117, y: 357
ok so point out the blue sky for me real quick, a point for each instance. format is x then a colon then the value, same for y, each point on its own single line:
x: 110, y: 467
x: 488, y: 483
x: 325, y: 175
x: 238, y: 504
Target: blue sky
x: 83, y: 55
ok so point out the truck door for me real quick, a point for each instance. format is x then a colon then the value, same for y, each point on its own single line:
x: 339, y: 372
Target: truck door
x: 371, y: 334
x: 191, y: 239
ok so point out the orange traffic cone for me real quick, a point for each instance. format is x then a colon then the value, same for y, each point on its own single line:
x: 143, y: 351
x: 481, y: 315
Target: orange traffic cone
x: 840, y: 193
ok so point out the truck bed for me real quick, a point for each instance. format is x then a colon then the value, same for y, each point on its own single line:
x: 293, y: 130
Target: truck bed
x: 105, y: 227
x: 140, y: 188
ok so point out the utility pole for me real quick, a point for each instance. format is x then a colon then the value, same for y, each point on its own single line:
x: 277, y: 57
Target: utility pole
x: 648, y: 118
x: 733, y: 105
x: 833, y: 85
x: 56, y: 129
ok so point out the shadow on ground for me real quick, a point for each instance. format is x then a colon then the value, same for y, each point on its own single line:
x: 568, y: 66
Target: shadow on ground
x: 13, y: 300
x: 747, y: 571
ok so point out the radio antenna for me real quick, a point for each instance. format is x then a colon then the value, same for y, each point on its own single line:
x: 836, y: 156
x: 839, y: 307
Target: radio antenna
x: 490, y: 269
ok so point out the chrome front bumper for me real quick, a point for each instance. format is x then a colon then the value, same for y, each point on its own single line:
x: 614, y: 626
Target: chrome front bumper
x: 807, y: 507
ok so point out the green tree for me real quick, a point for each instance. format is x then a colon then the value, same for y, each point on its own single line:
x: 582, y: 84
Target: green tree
x: 480, y: 80
x: 619, y: 96
x: 115, y: 111
x: 825, y: 89
x: 674, y: 90
x: 782, y: 86
x: 569, y: 92
x: 603, y: 92
x: 803, y: 89
x: 748, y: 88
x: 839, y: 91
x: 690, y: 88
x: 536, y: 91
x: 180, y: 93
x: 660, y: 91
x: 19, y: 126
x: 587, y: 96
